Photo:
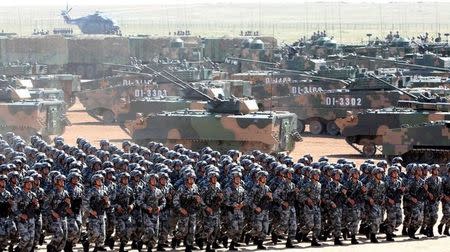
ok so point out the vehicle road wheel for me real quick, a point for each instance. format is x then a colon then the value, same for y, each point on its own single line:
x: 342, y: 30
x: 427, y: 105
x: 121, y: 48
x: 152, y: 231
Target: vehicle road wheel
x: 332, y: 128
x: 316, y: 127
x: 108, y: 116
x: 369, y: 150
x: 300, y: 126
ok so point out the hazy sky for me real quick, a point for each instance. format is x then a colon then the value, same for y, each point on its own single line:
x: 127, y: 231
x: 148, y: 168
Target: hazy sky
x: 162, y: 2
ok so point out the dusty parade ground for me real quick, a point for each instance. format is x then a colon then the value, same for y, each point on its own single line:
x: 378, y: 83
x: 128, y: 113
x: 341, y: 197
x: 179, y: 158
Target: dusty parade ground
x: 86, y: 126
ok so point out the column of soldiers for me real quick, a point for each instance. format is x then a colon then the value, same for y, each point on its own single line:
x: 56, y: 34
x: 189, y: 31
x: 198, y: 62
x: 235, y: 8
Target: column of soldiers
x: 156, y: 198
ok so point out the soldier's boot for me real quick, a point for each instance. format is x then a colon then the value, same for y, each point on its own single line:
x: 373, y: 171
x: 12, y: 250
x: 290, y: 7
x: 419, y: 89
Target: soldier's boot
x: 412, y: 234
x: 122, y: 247
x: 373, y: 238
x: 160, y: 247
x: 208, y: 248
x: 149, y: 247
x: 446, y: 231
x: 68, y: 247
x: 423, y: 230
x: 274, y: 238
x: 85, y: 244
x: 41, y: 240
x: 133, y: 245
x: 188, y: 248
x: 430, y: 232
x: 440, y: 227
x: 199, y: 242
x: 174, y: 243
x: 11, y: 248
x: 305, y: 238
x: 345, y: 233
x: 315, y: 243
x: 232, y: 246
x: 383, y: 228
x: 216, y: 245
x: 337, y: 241
x: 247, y: 239
x: 50, y: 248
x: 225, y: 242
x: 389, y: 237
x: 139, y: 245
x: 404, y: 231
x: 110, y: 243
x: 260, y: 245
x: 354, y: 241
x: 289, y: 243
x: 99, y: 248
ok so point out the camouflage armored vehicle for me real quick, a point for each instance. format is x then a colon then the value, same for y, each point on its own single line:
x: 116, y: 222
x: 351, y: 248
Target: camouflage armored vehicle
x: 25, y: 116
x: 68, y: 83
x: 320, y: 110
x: 369, y: 128
x: 224, y: 125
x: 424, y: 143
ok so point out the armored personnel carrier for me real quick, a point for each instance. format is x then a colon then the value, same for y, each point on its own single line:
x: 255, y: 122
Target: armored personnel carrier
x: 25, y: 116
x: 425, y: 143
x: 224, y: 124
x: 369, y: 128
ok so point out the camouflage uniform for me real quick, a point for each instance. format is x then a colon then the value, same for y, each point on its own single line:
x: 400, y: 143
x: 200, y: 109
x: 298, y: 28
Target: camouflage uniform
x: 434, y: 184
x: 122, y: 201
x: 7, y: 225
x: 258, y: 197
x: 376, y: 191
x: 352, y: 208
x: 334, y: 199
x: 234, y: 201
x: 58, y: 203
x: 416, y: 190
x: 212, y: 199
x: 394, y: 194
x: 74, y: 216
x: 151, y: 201
x: 189, y: 199
x: 445, y: 201
x: 285, y: 197
x: 40, y: 194
x: 310, y: 195
x: 27, y: 203
x: 167, y: 218
x: 96, y: 200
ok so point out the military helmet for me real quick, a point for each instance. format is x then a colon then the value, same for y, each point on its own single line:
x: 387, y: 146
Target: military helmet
x: 190, y: 174
x: 124, y: 175
x: 315, y: 172
x: 213, y: 174
x: 261, y: 174
x: 353, y: 171
x: 152, y: 175
x: 3, y: 177
x: 97, y: 177
x: 336, y: 171
x: 27, y: 179
x: 60, y: 177
x: 377, y: 170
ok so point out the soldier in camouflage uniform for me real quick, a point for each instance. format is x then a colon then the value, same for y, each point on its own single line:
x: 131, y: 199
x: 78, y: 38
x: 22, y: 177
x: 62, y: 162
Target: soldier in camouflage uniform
x: 415, y: 195
x: 394, y: 192
x: 151, y: 201
x: 445, y: 203
x: 376, y: 193
x: 310, y: 195
x: 285, y: 197
x: 40, y: 194
x: 96, y: 203
x: 187, y: 202
x: 75, y: 190
x: 353, y: 205
x: 434, y: 193
x: 212, y: 198
x: 234, y: 201
x: 167, y: 220
x: 59, y: 202
x: 259, y: 199
x: 137, y: 185
x: 7, y: 225
x: 110, y: 186
x: 334, y: 198
x: 27, y: 203
x: 123, y: 202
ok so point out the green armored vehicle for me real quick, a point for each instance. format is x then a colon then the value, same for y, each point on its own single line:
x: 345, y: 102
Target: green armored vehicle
x: 424, y: 143
x: 369, y: 128
x: 25, y: 116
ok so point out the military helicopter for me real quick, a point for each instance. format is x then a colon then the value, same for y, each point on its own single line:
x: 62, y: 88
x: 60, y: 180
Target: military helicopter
x: 97, y: 23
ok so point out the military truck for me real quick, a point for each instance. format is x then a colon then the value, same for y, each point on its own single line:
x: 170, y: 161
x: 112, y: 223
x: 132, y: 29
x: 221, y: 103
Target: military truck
x: 421, y: 143
x: 369, y: 128
x: 25, y: 116
x: 224, y: 124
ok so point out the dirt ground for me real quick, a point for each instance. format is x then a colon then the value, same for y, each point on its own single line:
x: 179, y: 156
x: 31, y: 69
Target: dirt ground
x: 88, y: 127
